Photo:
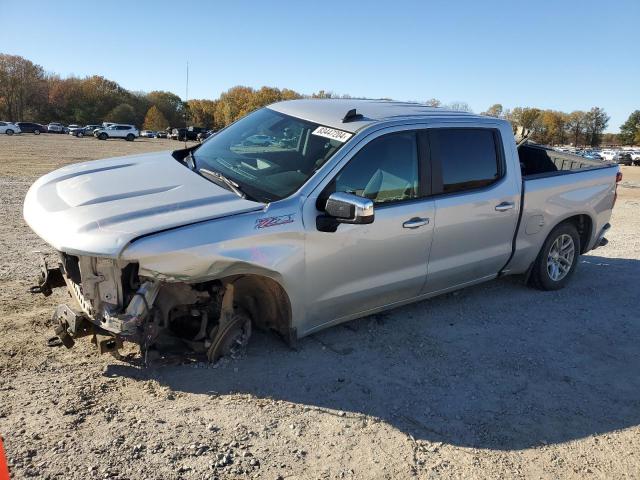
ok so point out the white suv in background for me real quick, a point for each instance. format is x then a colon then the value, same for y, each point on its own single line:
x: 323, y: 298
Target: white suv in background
x: 9, y: 128
x: 128, y: 132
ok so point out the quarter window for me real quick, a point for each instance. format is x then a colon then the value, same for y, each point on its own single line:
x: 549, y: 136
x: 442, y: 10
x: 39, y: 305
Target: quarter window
x: 385, y: 170
x: 468, y: 157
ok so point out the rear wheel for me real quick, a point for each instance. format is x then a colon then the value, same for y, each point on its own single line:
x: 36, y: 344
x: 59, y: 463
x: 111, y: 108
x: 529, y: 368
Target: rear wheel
x: 557, y: 259
x: 103, y: 136
x: 130, y: 137
x: 79, y: 134
x: 9, y: 132
x: 36, y: 132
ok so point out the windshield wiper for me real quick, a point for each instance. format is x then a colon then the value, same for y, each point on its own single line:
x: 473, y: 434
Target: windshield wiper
x: 233, y: 186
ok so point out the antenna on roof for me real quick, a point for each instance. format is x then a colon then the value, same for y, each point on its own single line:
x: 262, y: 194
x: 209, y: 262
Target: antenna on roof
x: 186, y: 99
x: 351, y: 116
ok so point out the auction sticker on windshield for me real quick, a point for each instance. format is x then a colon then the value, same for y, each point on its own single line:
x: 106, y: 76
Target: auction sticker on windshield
x: 332, y: 133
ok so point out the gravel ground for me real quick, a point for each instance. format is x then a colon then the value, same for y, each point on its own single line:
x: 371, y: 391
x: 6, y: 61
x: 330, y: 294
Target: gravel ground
x: 495, y: 381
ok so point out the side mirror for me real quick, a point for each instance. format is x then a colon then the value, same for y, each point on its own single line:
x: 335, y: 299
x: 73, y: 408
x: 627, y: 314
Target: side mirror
x: 344, y: 207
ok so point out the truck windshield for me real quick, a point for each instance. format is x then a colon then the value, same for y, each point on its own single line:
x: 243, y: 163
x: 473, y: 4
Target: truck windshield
x: 268, y: 154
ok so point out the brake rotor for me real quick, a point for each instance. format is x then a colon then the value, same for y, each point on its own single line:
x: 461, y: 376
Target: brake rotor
x: 232, y: 339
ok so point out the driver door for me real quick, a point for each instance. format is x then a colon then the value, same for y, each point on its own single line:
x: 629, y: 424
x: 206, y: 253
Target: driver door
x: 359, y: 268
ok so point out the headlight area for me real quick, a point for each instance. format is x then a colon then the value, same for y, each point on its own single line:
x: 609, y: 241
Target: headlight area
x: 113, y: 304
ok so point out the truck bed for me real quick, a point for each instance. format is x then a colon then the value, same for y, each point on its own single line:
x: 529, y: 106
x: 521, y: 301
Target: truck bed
x: 536, y: 160
x: 557, y: 186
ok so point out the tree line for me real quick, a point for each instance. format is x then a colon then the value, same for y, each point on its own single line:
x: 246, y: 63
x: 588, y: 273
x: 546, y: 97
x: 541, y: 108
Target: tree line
x: 28, y: 93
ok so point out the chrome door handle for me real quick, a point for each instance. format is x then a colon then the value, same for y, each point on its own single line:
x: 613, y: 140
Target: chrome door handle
x: 504, y: 206
x: 415, y: 222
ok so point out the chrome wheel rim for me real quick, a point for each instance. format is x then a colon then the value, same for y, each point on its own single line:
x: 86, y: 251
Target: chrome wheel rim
x: 560, y: 258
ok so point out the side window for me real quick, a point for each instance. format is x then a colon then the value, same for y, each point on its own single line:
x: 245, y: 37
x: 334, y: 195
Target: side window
x: 385, y: 170
x: 467, y: 156
x: 2, y: 124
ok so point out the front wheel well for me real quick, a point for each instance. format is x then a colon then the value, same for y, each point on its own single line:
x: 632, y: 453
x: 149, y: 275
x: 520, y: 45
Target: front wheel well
x: 584, y: 225
x: 266, y: 302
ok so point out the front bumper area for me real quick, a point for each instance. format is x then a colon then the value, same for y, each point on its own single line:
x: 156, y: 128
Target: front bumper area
x: 70, y: 325
x: 108, y: 306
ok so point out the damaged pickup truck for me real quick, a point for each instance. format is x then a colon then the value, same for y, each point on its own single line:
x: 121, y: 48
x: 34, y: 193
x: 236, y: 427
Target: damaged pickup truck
x: 343, y: 209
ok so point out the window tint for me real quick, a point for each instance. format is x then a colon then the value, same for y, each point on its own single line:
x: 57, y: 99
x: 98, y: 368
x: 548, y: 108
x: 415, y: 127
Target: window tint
x: 2, y: 124
x: 385, y: 170
x: 468, y: 157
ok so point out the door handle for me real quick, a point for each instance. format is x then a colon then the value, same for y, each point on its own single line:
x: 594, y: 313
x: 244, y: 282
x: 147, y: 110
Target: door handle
x: 415, y: 222
x: 504, y: 206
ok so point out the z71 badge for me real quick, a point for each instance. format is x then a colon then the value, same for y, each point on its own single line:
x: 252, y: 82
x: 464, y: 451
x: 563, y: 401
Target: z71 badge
x: 274, y: 221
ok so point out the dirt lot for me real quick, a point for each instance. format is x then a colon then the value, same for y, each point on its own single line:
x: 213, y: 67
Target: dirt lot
x: 495, y: 381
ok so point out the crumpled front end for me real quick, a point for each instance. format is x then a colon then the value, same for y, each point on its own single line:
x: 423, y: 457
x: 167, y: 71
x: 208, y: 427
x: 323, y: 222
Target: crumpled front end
x: 110, y: 300
x: 113, y: 304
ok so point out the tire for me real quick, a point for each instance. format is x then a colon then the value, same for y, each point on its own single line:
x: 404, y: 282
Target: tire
x: 36, y: 132
x: 9, y: 132
x: 103, y: 136
x: 130, y: 137
x: 557, y: 259
x: 79, y: 134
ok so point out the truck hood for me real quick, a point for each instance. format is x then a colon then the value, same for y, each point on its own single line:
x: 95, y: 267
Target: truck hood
x: 97, y: 208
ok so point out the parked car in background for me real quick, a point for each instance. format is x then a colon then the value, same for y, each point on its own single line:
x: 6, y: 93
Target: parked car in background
x: 258, y: 140
x: 608, y: 154
x: 591, y: 154
x: 189, y: 133
x: 55, y: 127
x: 371, y: 209
x: 83, y: 131
x: 623, y: 158
x: 127, y: 132
x: 161, y: 134
x: 202, y: 136
x: 30, y: 127
x: 9, y: 128
x: 148, y: 133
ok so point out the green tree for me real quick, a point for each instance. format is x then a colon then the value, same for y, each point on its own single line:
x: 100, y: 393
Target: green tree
x: 553, y: 127
x: 322, y: 94
x: 576, y: 124
x: 233, y: 104
x: 155, y: 120
x: 630, y: 130
x: 596, y: 121
x: 23, y: 88
x: 123, y: 113
x: 201, y: 113
x: 170, y: 105
x: 494, y: 110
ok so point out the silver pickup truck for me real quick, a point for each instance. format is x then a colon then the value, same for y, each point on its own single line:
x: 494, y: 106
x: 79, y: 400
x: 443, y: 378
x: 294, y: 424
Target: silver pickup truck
x: 349, y: 208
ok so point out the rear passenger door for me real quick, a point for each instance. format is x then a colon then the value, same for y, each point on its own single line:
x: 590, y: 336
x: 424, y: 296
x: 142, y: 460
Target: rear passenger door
x: 476, y: 207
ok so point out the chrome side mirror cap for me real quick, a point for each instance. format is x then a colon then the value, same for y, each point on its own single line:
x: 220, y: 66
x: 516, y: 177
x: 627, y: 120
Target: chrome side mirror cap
x: 349, y: 208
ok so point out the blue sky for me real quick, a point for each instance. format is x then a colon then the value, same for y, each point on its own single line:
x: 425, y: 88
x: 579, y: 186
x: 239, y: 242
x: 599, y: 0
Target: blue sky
x: 561, y: 54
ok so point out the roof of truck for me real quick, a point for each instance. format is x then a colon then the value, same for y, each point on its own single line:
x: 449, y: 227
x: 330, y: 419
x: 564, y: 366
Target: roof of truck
x: 330, y: 112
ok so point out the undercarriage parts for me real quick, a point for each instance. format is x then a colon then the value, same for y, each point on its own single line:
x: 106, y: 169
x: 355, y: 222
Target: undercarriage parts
x: 232, y: 333
x: 69, y: 325
x: 137, y: 311
x: 49, y: 279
